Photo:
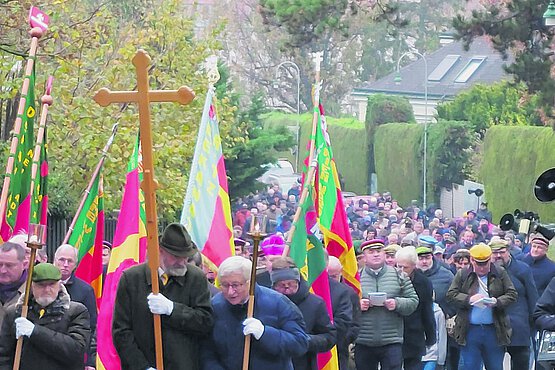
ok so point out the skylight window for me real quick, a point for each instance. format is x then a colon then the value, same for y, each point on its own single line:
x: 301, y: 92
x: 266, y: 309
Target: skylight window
x: 468, y: 70
x: 442, y: 68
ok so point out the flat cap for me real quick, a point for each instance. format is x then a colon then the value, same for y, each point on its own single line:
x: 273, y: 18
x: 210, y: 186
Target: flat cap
x: 392, y: 248
x: 480, y: 252
x: 46, y: 271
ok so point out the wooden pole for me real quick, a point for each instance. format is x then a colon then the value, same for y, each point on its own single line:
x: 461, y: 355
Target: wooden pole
x: 256, y: 237
x: 143, y: 97
x: 26, y: 294
x: 93, y: 177
x: 36, y: 33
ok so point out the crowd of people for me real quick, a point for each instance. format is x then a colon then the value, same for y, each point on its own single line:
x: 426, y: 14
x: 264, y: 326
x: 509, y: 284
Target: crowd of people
x: 436, y: 293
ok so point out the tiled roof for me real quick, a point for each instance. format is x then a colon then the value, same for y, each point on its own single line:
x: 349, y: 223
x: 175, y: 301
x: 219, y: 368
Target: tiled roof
x: 412, y: 75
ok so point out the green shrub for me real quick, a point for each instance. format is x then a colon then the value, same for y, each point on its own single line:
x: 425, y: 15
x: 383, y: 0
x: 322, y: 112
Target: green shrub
x: 513, y: 158
x: 398, y: 166
x: 383, y: 109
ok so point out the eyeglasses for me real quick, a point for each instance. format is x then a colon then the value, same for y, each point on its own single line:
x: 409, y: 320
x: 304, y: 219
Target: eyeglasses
x: 282, y: 285
x: 234, y: 286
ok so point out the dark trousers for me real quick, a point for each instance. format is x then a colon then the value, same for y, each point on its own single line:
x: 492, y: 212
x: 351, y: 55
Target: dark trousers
x: 390, y: 357
x: 413, y: 364
x: 520, y: 356
x: 453, y: 355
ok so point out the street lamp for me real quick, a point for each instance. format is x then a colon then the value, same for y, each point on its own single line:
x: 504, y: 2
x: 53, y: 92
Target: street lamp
x: 398, y: 80
x: 549, y: 15
x: 297, y: 127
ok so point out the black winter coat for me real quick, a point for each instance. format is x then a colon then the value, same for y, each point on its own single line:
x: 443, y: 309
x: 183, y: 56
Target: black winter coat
x: 420, y: 326
x: 80, y: 291
x: 58, y: 340
x: 133, y: 329
x: 321, y: 331
x: 346, y: 319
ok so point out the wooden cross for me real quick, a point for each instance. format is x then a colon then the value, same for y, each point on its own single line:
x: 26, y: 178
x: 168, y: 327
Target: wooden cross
x: 143, y: 97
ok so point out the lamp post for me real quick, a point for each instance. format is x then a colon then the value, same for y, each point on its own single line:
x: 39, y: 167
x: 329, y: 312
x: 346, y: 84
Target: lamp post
x: 425, y: 156
x: 297, y: 127
x: 549, y: 15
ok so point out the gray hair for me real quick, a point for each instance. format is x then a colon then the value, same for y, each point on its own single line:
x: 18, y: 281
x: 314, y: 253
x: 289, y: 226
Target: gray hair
x: 235, y: 264
x: 20, y: 239
x: 9, y: 246
x: 65, y: 247
x: 407, y: 254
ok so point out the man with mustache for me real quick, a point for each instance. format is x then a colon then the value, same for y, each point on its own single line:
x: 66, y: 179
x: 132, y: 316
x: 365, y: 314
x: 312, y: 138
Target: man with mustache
x: 183, y: 304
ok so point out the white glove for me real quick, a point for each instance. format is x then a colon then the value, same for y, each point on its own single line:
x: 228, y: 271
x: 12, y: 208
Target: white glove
x: 253, y: 326
x: 159, y: 305
x: 23, y: 327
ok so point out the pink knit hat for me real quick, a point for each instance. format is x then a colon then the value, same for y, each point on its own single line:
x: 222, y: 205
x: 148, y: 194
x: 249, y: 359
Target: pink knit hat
x: 273, y: 245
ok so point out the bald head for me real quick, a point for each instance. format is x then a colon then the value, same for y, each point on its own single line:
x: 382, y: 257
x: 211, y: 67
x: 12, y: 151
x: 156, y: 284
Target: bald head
x: 334, y: 268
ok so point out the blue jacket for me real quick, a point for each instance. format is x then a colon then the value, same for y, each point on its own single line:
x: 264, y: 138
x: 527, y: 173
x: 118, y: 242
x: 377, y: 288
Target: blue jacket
x: 441, y: 279
x: 520, y: 312
x: 543, y: 271
x: 284, y: 334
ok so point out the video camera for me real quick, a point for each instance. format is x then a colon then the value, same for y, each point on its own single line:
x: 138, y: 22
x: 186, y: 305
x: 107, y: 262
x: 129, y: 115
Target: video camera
x: 523, y: 222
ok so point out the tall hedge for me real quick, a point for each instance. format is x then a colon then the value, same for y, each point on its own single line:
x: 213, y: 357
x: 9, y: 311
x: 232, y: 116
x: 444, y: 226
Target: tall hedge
x: 398, y: 153
x: 348, y: 139
x: 396, y: 147
x: 513, y: 158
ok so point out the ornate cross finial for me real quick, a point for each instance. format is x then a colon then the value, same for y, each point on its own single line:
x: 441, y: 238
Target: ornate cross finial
x: 318, y: 58
x: 211, y: 67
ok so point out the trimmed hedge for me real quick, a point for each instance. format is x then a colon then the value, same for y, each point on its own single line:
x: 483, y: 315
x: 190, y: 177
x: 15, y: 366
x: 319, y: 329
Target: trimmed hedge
x: 397, y: 163
x: 398, y: 153
x: 348, y: 139
x: 513, y: 158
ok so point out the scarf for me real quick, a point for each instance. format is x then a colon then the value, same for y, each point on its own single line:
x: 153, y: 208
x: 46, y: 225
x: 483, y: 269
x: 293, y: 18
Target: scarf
x: 8, y: 291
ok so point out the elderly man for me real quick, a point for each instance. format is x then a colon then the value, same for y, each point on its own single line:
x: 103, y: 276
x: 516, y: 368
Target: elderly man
x: 277, y: 327
x: 183, y: 304
x: 481, y: 295
x: 12, y: 276
x: 387, y: 297
x: 286, y: 279
x: 419, y: 326
x: 543, y: 268
x: 80, y: 291
x: 521, y: 311
x: 55, y: 332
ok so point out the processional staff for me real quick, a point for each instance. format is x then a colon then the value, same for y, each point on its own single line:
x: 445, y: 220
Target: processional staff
x: 143, y: 97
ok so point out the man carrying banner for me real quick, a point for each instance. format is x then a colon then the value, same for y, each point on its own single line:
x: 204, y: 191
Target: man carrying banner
x: 277, y: 326
x: 183, y: 303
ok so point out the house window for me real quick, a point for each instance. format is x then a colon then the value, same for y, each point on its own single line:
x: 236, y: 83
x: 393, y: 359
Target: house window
x: 442, y: 68
x: 469, y: 69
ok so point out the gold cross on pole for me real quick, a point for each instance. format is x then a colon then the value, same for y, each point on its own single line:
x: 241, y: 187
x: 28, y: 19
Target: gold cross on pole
x: 143, y: 97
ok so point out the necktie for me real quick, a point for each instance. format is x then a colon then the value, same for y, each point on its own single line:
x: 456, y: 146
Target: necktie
x: 165, y: 279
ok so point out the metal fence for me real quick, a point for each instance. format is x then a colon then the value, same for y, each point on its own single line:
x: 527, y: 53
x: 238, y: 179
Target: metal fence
x: 58, y: 227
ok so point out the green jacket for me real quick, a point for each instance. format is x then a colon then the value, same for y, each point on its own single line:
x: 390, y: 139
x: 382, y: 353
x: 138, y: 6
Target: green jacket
x: 378, y: 325
x: 500, y: 286
x: 191, y: 319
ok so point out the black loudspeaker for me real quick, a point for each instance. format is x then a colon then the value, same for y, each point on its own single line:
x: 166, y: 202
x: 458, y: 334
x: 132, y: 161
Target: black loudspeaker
x: 544, y: 189
x: 478, y: 192
x: 508, y: 222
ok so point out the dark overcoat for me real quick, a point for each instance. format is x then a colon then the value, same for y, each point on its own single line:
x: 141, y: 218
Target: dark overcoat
x: 190, y: 320
x: 58, y: 340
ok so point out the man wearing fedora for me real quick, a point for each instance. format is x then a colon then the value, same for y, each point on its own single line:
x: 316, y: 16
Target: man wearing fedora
x: 183, y: 304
